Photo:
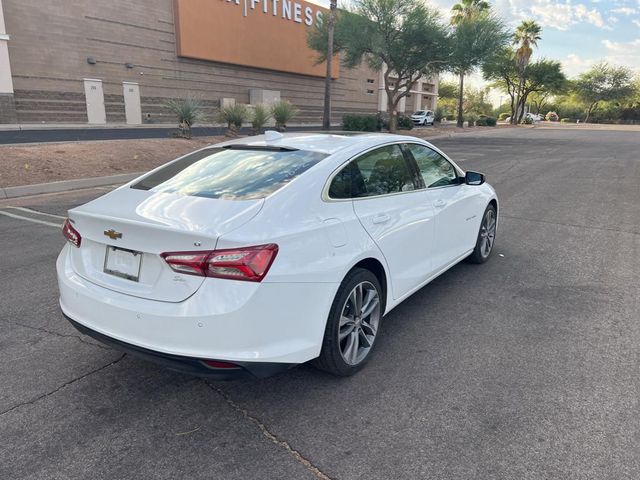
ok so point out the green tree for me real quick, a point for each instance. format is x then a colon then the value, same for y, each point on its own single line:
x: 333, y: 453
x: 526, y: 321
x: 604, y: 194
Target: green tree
x: 467, y: 10
x: 447, y: 89
x: 476, y: 101
x: 403, y: 38
x: 542, y: 77
x: 525, y: 38
x: 476, y: 36
x: 603, y: 83
x: 502, y: 72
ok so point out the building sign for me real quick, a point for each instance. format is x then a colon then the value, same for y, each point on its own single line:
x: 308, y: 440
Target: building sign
x: 270, y: 34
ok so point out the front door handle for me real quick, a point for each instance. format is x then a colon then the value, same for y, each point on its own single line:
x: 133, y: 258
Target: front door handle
x: 439, y: 203
x: 381, y: 218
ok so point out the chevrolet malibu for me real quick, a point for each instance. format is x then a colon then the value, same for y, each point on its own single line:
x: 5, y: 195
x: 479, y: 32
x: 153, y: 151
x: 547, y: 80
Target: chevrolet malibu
x: 254, y: 255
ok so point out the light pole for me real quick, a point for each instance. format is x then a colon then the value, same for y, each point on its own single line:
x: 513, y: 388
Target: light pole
x: 326, y: 117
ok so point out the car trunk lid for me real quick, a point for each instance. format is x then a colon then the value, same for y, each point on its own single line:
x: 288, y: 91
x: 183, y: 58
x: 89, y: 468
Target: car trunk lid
x: 124, y: 233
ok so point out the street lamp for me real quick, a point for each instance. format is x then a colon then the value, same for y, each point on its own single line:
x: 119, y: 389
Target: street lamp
x: 326, y: 117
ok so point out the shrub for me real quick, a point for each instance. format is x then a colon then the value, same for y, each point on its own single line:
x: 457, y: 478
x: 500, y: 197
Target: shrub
x: 360, y: 123
x: 444, y: 113
x: 566, y: 120
x: 485, y: 121
x: 261, y: 115
x: 551, y: 117
x: 234, y: 116
x: 382, y: 119
x: 188, y: 111
x: 527, y: 120
x: 471, y: 119
x: 405, y: 123
x: 283, y: 111
x: 503, y: 116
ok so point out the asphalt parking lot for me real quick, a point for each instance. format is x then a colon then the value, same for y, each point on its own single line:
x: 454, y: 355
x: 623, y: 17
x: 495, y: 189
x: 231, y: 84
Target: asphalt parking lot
x: 527, y: 367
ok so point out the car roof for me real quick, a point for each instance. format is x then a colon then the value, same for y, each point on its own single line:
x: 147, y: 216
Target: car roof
x: 328, y: 143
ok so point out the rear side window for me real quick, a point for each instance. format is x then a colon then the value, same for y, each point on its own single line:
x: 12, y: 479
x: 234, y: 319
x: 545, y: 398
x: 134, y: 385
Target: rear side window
x: 231, y: 174
x: 379, y: 172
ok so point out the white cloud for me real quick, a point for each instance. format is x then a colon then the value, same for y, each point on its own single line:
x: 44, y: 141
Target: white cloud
x: 623, y: 53
x: 575, y: 65
x: 591, y: 16
x: 624, y: 10
x: 558, y: 14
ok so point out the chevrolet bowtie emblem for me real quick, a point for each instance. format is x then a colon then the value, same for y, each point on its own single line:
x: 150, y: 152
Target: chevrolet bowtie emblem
x: 112, y: 234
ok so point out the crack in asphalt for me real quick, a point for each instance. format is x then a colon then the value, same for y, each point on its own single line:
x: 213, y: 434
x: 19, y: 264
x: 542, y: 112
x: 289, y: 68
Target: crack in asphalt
x: 605, y: 229
x: 66, y: 384
x: 271, y: 436
x: 56, y: 334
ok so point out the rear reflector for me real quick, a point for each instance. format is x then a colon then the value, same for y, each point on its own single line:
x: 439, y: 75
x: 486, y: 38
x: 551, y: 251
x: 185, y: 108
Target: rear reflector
x: 249, y: 264
x: 219, y: 364
x: 71, y: 234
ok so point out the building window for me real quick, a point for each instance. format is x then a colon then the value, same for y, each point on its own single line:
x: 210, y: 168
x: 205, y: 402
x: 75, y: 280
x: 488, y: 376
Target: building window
x: 370, y: 92
x: 370, y: 80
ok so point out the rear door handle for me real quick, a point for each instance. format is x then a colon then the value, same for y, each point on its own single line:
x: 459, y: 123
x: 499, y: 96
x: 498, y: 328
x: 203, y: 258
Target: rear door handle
x: 381, y: 218
x: 439, y: 203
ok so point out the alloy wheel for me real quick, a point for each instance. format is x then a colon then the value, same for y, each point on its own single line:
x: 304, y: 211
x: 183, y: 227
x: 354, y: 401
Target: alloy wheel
x: 359, y: 322
x: 487, y: 233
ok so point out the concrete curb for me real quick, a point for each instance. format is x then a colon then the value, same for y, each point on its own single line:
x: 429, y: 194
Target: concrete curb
x: 65, y: 185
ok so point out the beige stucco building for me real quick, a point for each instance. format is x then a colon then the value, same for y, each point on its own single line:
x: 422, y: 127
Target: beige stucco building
x: 117, y: 61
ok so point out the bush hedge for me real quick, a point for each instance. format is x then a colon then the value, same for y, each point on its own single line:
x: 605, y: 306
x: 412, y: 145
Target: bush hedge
x: 405, y: 123
x: 360, y: 123
x: 503, y: 116
x: 486, y: 122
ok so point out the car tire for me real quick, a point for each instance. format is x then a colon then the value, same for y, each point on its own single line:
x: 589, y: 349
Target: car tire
x: 486, y: 236
x: 348, y: 328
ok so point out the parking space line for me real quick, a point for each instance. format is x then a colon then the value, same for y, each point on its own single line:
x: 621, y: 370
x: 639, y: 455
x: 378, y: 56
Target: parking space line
x: 32, y: 220
x: 36, y: 212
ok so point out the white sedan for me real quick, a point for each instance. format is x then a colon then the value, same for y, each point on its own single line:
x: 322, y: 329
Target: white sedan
x: 255, y: 255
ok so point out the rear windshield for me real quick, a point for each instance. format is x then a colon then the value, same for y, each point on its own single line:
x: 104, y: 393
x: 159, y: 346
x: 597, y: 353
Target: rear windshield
x: 231, y: 174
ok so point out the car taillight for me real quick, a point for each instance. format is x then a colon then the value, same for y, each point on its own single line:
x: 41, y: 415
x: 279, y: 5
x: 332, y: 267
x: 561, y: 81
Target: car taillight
x: 71, y: 234
x: 250, y: 264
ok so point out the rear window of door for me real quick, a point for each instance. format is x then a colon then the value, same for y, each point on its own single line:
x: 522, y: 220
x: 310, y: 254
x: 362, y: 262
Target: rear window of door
x: 231, y: 173
x: 436, y: 171
x: 379, y: 172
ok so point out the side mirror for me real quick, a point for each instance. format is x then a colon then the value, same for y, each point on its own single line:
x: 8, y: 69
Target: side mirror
x: 474, y: 178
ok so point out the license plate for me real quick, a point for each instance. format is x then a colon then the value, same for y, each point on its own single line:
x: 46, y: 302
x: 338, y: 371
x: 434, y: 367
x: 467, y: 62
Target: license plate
x: 122, y: 263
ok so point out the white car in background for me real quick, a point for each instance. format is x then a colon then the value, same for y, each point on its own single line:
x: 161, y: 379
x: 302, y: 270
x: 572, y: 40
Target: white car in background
x: 423, y: 117
x: 534, y: 117
x: 251, y: 256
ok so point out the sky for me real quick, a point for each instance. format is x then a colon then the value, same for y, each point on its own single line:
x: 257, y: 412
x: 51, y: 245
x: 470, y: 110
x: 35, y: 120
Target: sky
x: 578, y: 33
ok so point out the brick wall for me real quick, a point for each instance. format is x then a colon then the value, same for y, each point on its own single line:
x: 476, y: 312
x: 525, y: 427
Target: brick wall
x: 7, y: 109
x: 50, y: 43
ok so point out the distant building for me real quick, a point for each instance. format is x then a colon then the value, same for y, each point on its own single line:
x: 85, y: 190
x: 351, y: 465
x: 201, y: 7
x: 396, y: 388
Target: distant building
x: 104, y: 62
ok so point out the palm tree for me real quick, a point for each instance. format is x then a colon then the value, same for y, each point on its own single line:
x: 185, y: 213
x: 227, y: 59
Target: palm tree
x: 466, y: 11
x: 525, y: 38
x: 326, y: 117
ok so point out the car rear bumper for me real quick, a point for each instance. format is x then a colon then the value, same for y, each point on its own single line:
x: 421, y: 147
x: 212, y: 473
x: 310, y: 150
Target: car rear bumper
x: 188, y: 365
x: 224, y: 320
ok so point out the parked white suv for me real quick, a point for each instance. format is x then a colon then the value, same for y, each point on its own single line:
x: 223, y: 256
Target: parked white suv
x: 423, y: 117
